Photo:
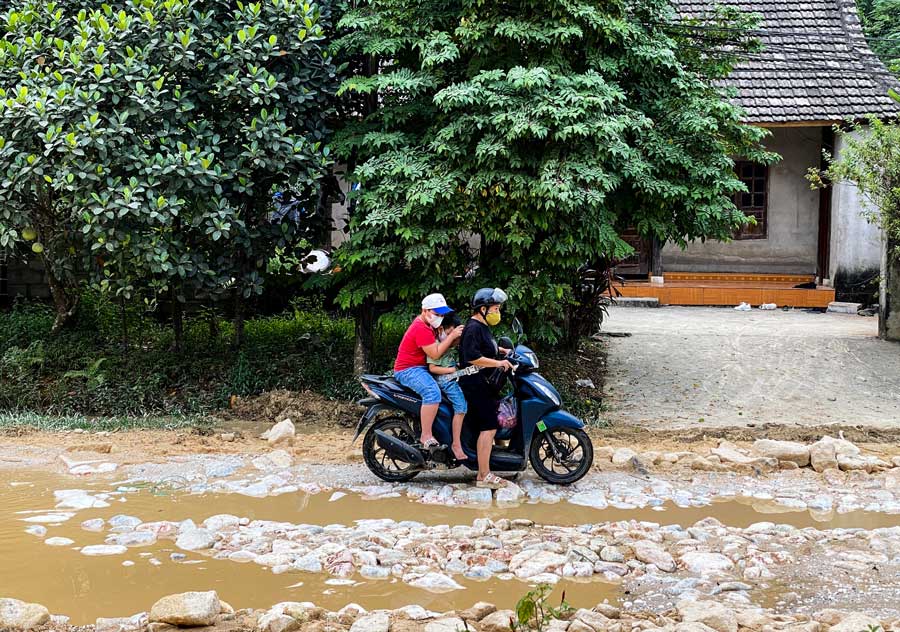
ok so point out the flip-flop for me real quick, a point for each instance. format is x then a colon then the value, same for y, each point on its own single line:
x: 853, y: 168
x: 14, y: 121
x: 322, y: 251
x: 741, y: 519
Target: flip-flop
x: 491, y: 481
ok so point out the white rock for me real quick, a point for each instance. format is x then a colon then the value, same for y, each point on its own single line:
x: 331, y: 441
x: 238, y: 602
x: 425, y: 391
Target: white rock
x: 623, y: 455
x: 59, y: 541
x: 103, y: 549
x: 336, y: 496
x: 195, y: 539
x: 99, y: 468
x: 710, y: 613
x: 187, y: 609
x: 77, y: 499
x: 866, y: 463
x: 20, y: 615
x: 50, y: 518
x: 281, y: 432
x: 134, y: 623
x: 705, y: 563
x: 593, y: 498
x: 856, y: 622
x: 220, y: 522
x: 652, y: 553
x: 824, y: 452
x: 535, y: 562
x: 497, y: 621
x: 133, y: 538
x: 447, y: 624
x: 509, y: 494
x: 417, y: 613
x: 375, y: 622
x: 94, y: 524
x: 277, y: 622
x: 38, y: 530
x: 783, y: 450
x: 435, y: 582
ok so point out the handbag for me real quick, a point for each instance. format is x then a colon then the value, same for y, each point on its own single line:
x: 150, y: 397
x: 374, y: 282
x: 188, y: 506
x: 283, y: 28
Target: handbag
x: 506, y: 413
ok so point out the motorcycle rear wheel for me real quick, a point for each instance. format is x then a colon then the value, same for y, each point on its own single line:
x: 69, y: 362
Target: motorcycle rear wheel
x: 561, y: 456
x: 376, y: 457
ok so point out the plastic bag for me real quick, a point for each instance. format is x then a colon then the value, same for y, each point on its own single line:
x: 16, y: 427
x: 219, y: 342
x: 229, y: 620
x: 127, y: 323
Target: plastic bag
x: 506, y: 413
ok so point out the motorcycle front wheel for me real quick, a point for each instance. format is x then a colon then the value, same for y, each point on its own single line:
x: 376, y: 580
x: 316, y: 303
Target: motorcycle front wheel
x: 378, y: 460
x: 561, y: 455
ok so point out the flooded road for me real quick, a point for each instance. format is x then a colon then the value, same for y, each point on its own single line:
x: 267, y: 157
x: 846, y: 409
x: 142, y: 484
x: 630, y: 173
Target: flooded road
x: 50, y: 568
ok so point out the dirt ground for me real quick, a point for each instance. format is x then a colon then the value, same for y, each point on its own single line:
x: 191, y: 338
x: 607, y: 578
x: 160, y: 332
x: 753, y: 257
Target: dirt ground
x: 328, y: 443
x: 700, y: 368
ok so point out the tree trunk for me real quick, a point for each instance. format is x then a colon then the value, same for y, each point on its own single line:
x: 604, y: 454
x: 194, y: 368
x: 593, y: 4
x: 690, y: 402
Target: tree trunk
x: 123, y: 312
x: 365, y: 337
x: 889, y: 318
x: 239, y: 312
x: 177, y: 322
x: 65, y: 300
x: 213, y: 323
x: 656, y: 258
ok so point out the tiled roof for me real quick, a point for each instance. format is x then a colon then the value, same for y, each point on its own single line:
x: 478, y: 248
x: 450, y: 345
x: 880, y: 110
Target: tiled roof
x: 815, y: 65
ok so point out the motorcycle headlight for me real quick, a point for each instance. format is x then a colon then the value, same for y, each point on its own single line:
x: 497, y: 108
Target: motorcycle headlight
x: 550, y: 394
x: 532, y: 357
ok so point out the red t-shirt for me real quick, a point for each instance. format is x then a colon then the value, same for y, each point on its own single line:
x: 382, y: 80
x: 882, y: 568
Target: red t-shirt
x: 410, y: 353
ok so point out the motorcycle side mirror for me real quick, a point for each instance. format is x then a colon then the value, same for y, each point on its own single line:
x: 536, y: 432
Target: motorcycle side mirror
x: 517, y: 327
x: 506, y: 343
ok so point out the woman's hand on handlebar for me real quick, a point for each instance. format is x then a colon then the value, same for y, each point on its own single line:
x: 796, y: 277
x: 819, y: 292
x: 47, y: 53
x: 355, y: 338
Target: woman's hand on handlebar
x: 505, y: 365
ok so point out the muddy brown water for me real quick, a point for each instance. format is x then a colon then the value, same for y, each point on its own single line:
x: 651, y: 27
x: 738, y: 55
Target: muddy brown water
x: 84, y: 587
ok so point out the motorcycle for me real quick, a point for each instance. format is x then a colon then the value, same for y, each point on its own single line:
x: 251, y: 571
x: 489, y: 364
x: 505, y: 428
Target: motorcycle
x: 554, y: 441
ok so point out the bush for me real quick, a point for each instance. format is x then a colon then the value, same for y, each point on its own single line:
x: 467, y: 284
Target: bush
x: 88, y: 371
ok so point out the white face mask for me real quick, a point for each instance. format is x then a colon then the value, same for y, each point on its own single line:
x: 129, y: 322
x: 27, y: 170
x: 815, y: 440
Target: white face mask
x: 435, y: 321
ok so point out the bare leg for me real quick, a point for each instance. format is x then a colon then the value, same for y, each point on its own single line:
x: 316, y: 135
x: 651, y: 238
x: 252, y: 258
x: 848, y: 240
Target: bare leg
x: 485, y: 443
x: 457, y: 442
x: 428, y: 414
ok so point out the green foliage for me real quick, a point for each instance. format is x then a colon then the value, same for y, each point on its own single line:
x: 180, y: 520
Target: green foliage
x: 140, y: 140
x: 870, y: 159
x: 533, y: 612
x: 523, y: 137
x: 881, y: 23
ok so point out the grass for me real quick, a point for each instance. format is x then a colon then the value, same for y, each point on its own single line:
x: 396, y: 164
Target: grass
x: 86, y: 378
x: 12, y: 420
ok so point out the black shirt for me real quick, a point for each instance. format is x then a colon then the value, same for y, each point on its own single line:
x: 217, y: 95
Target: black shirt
x: 476, y: 342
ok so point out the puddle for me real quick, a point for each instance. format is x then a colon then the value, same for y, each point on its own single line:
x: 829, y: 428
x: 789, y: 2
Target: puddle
x: 84, y: 587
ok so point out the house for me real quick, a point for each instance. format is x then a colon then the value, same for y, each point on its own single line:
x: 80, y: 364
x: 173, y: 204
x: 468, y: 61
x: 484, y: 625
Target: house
x: 814, y: 71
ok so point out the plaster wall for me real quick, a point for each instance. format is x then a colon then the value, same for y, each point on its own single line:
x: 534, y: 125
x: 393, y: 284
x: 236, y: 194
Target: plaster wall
x: 856, y: 243
x: 791, y: 243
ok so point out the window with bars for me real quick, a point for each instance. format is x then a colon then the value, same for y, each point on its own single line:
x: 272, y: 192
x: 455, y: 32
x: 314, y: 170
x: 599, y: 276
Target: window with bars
x: 755, y: 202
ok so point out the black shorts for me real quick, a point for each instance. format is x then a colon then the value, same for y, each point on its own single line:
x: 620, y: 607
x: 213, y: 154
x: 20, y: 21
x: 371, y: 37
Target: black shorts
x: 483, y: 406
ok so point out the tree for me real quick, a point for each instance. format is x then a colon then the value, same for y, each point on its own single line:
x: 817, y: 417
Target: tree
x: 870, y: 159
x: 881, y: 23
x: 142, y: 139
x: 522, y: 137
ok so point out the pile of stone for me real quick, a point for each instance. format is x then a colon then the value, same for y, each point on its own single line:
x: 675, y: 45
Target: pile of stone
x: 765, y: 454
x: 195, y: 609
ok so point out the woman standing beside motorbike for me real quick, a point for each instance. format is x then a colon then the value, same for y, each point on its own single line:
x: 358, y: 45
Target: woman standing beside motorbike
x: 478, y: 347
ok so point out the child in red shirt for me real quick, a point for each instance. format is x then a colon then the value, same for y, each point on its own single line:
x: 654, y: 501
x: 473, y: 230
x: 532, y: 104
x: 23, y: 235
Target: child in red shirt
x: 410, y: 368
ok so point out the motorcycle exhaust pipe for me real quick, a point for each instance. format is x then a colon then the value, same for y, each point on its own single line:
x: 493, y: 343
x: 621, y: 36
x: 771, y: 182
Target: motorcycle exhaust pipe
x: 399, y: 450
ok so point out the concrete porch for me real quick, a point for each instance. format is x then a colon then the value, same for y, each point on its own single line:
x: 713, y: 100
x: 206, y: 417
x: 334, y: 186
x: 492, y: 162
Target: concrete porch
x: 723, y: 289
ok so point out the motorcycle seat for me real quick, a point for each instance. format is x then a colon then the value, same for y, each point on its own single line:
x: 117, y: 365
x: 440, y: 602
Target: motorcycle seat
x: 388, y: 382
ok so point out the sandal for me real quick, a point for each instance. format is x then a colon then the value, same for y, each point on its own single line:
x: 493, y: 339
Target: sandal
x: 431, y: 444
x: 491, y: 481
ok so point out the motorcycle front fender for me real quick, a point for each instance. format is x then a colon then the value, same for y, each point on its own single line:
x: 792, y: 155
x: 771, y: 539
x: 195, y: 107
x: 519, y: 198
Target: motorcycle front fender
x: 369, y: 416
x: 555, y: 419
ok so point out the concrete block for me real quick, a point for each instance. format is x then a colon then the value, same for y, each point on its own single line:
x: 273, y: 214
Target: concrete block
x: 837, y: 307
x: 637, y: 301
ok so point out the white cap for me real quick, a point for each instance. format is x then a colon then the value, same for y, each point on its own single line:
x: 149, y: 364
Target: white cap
x: 436, y: 303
